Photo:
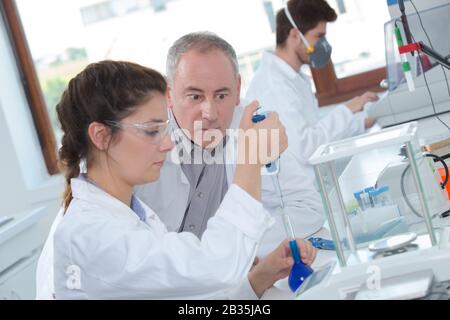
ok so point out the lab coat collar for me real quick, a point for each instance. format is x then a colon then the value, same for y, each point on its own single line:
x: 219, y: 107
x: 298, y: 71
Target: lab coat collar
x: 273, y: 61
x: 88, y: 192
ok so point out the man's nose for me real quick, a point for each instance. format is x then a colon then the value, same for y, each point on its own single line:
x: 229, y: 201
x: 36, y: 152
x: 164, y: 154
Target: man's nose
x: 209, y: 110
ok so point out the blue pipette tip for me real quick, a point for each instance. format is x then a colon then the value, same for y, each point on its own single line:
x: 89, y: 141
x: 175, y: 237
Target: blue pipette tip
x: 298, y: 275
x: 299, y: 271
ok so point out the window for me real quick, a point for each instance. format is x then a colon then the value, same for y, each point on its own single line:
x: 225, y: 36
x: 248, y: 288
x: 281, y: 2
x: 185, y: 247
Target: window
x: 268, y: 7
x: 358, y: 58
x: 56, y: 39
x: 357, y: 36
x: 31, y: 84
x: 97, y: 12
x: 341, y: 6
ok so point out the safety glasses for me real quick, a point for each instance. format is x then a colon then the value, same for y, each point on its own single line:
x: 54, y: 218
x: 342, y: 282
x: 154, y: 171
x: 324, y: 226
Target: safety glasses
x: 153, y: 132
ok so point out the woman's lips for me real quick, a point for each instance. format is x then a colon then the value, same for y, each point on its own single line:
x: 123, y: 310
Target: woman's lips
x: 159, y: 163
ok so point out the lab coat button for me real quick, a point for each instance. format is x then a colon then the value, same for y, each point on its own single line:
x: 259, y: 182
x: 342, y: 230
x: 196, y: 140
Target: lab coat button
x: 192, y: 226
x: 200, y: 194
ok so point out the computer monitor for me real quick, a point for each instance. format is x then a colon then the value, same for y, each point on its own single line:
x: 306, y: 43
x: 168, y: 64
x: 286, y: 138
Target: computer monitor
x: 436, y: 22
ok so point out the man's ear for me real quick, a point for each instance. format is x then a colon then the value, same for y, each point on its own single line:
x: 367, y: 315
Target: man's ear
x: 100, y: 135
x: 239, y: 82
x: 294, y: 36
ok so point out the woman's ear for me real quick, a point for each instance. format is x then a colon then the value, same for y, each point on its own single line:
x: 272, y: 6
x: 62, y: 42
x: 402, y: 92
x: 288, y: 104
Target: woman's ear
x: 100, y: 135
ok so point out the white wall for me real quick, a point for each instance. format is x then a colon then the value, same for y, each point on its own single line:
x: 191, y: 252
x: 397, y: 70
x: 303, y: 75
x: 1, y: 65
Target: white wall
x: 24, y: 181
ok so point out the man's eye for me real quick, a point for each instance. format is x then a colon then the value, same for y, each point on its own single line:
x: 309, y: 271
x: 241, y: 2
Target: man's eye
x: 195, y: 97
x: 221, y: 96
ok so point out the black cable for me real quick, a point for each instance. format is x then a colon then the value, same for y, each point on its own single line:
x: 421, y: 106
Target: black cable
x: 444, y: 164
x: 431, y: 96
x: 426, y: 83
x: 445, y: 156
x: 431, y: 44
x: 445, y: 214
x: 429, y: 93
x: 408, y: 203
x: 402, y: 187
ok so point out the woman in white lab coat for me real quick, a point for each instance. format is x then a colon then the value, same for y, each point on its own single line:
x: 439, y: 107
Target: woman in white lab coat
x: 109, y: 244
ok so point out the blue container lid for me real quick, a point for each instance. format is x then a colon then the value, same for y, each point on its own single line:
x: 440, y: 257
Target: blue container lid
x: 357, y: 194
x: 383, y: 189
x: 369, y: 189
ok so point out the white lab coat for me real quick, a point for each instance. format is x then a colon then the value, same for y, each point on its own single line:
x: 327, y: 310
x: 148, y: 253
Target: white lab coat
x: 168, y: 196
x: 279, y: 87
x: 45, y: 287
x: 103, y: 251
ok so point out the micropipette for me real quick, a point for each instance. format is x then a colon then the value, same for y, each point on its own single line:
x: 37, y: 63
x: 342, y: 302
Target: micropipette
x: 299, y: 271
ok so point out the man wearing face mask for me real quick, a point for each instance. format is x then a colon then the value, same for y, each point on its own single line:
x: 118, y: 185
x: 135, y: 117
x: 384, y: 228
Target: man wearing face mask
x: 280, y: 85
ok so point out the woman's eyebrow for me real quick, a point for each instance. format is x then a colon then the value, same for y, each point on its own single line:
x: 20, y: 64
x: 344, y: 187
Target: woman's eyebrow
x: 155, y: 121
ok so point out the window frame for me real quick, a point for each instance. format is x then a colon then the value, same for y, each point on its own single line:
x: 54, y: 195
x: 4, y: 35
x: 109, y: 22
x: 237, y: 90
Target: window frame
x: 331, y: 90
x: 30, y: 83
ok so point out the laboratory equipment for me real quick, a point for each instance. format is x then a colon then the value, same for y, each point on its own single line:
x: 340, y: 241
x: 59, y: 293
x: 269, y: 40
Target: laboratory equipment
x: 431, y: 95
x: 393, y: 243
x: 410, y: 286
x: 273, y: 167
x: 377, y: 266
x: 20, y: 245
x: 323, y: 244
x: 5, y: 220
x: 406, y: 67
x: 399, y: 179
x: 299, y: 271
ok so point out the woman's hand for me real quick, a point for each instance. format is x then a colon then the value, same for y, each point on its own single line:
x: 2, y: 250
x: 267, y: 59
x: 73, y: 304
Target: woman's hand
x: 277, y: 265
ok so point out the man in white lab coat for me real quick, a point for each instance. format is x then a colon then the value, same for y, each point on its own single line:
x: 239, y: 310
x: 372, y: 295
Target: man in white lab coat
x: 280, y: 85
x: 204, y: 100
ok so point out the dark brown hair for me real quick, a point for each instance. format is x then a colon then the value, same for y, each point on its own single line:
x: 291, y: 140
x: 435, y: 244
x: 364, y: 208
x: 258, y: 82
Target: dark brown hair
x: 103, y: 91
x: 307, y: 14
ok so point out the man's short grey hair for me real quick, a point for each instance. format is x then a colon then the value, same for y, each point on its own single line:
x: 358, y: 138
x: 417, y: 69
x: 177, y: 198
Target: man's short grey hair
x: 201, y: 41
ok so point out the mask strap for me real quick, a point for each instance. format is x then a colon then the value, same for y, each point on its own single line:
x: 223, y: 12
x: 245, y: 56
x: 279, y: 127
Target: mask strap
x: 309, y: 49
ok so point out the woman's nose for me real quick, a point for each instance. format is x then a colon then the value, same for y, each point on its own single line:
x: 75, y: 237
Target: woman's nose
x: 166, y: 144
